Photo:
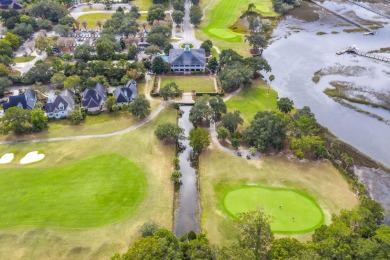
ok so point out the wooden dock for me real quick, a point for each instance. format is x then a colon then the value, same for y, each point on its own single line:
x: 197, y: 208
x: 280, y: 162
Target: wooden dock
x: 354, y: 50
x: 370, y: 9
x: 344, y: 17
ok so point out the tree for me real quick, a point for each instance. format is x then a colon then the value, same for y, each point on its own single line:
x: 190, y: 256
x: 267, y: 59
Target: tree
x: 44, y: 25
x: 5, y: 48
x: 285, y: 105
x: 170, y: 90
x: 99, y: 24
x: 314, y: 145
x: 207, y: 45
x: 132, y: 52
x: 4, y: 70
x: 111, y: 103
x: 232, y: 120
x: 218, y: 107
x: 140, y: 107
x: 160, y: 1
x: 195, y: 15
x: 195, y: 2
x: 251, y: 6
x: 63, y: 29
x: 67, y: 20
x: 199, y: 139
x: 74, y: 83
x: 159, y: 66
x: 285, y: 248
x: 270, y: 78
x: 76, y: 115
x: 83, y: 52
x: 212, y: 65
x: 57, y: 80
x: 38, y: 120
x: 148, y: 229
x: 41, y: 72
x: 235, y: 76
x: 255, y: 232
x: 152, y: 50
x: 176, y: 177
x: 256, y: 40
x: 178, y: 5
x: 13, y: 39
x: 105, y: 50
x: 201, y: 111
x: 23, y: 30
x: 168, y: 132
x: 223, y: 133
x: 266, y: 129
x: 157, y: 39
x: 50, y: 10
x: 162, y: 245
x: 42, y: 42
x: 156, y: 12
x: 4, y: 83
x: 177, y: 16
x: 17, y: 120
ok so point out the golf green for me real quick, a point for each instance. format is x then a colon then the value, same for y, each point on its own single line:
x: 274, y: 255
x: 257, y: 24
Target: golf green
x: 88, y: 193
x: 291, y: 211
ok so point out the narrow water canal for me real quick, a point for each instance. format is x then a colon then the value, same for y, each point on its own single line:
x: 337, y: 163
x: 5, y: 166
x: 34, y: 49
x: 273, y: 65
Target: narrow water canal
x: 187, y: 213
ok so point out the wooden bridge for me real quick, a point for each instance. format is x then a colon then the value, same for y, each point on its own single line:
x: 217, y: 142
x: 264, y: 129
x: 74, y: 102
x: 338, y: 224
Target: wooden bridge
x: 344, y: 17
x: 370, y: 9
x: 354, y: 50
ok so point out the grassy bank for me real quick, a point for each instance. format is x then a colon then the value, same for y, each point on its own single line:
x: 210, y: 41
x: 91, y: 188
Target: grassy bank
x: 252, y: 100
x: 141, y: 148
x: 219, y: 172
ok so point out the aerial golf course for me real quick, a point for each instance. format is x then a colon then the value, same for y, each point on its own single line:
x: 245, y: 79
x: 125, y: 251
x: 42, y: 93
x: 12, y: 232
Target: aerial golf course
x: 291, y: 211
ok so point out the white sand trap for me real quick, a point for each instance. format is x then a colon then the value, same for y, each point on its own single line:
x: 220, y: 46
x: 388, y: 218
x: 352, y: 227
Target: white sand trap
x: 32, y: 157
x: 6, y: 158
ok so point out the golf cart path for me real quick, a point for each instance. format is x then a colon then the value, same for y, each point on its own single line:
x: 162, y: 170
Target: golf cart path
x: 214, y: 134
x: 147, y: 119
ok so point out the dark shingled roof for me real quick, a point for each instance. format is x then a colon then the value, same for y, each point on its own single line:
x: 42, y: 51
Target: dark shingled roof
x: 5, y: 2
x: 93, y: 97
x: 127, y: 93
x: 187, y: 56
x: 26, y: 100
x: 66, y: 98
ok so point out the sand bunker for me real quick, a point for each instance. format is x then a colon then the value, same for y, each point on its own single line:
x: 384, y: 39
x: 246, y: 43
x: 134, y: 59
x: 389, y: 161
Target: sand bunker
x: 6, y: 158
x: 32, y: 157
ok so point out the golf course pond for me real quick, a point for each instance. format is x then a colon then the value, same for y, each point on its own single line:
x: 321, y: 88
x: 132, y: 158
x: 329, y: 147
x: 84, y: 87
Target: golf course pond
x: 291, y: 211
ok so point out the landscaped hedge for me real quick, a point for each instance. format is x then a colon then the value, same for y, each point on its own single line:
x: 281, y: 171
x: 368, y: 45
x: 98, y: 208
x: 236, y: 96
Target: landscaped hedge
x: 211, y: 94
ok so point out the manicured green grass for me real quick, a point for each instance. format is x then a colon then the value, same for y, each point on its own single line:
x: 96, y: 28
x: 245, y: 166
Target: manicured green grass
x: 291, y: 211
x: 91, y: 19
x: 88, y: 193
x: 252, y: 100
x: 220, y: 173
x: 190, y: 83
x: 222, y: 16
x: 23, y: 59
x: 265, y: 9
x: 143, y: 151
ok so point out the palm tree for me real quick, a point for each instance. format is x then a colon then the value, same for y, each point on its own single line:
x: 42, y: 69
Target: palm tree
x: 270, y: 78
x: 77, y: 23
x: 251, y: 6
x: 99, y: 24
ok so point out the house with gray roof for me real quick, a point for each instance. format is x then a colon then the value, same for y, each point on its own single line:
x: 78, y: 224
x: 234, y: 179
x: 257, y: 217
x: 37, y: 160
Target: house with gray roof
x: 94, y: 99
x: 126, y: 94
x: 60, y: 105
x: 26, y: 100
x: 187, y: 59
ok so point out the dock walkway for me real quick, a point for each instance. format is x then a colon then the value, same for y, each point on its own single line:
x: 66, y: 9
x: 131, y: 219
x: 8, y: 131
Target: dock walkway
x: 354, y: 50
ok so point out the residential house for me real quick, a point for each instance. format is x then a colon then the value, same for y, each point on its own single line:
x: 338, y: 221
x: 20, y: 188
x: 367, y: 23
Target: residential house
x: 26, y: 100
x: 187, y: 59
x: 126, y: 94
x: 60, y: 105
x: 94, y: 99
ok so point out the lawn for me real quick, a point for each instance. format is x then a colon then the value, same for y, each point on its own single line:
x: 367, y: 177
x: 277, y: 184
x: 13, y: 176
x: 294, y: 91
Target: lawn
x: 142, y: 150
x: 102, y: 190
x: 91, y: 19
x: 23, y: 59
x: 252, y: 100
x: 220, y: 173
x: 291, y: 211
x: 190, y: 83
x: 266, y: 9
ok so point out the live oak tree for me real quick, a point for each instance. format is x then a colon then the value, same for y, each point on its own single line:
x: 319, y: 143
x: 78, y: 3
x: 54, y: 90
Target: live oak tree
x: 170, y: 90
x: 222, y: 133
x: 156, y: 12
x: 195, y: 15
x: 232, y: 120
x: 168, y: 132
x: 285, y: 105
x: 177, y: 16
x: 199, y: 139
x: 218, y: 106
x: 140, y: 107
x: 201, y: 111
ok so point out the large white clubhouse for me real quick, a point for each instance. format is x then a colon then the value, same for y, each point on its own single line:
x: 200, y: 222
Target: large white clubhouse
x: 187, y: 59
